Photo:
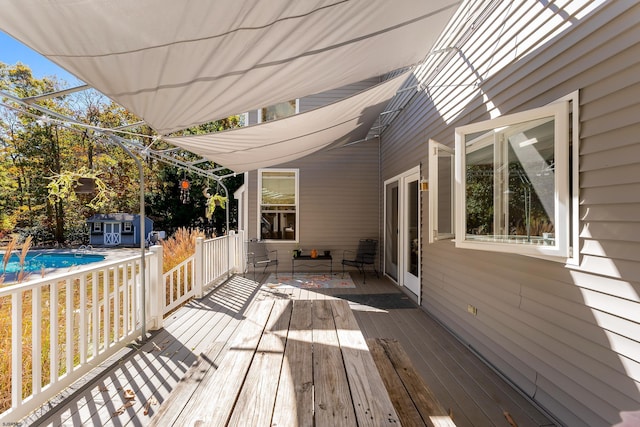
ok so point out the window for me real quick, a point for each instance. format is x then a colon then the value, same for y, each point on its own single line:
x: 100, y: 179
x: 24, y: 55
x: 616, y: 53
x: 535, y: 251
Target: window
x: 441, y: 186
x: 278, y: 111
x: 278, y: 204
x: 127, y: 227
x: 512, y: 183
x: 97, y: 227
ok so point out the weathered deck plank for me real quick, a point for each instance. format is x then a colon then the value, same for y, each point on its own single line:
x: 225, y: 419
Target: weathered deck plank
x: 256, y: 401
x: 201, y: 409
x: 371, y: 401
x: 332, y: 401
x: 406, y: 409
x: 430, y: 409
x: 294, y: 401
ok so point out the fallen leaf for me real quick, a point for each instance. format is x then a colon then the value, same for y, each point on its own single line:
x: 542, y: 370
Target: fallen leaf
x: 123, y: 408
x: 151, y: 401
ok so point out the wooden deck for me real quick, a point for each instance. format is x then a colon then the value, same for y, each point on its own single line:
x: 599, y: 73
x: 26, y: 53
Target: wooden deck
x: 291, y: 363
x: 201, y: 333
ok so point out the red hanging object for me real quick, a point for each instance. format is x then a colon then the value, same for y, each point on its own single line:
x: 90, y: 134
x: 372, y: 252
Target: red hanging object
x: 184, y: 191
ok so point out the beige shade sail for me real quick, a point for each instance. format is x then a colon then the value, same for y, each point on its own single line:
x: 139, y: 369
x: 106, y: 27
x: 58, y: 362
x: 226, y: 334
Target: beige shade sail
x: 279, y: 141
x: 177, y: 64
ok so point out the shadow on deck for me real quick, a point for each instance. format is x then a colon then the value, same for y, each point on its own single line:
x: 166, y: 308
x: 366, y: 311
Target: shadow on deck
x: 471, y: 392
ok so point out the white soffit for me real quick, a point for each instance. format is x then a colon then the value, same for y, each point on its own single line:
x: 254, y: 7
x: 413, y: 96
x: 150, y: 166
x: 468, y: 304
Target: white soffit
x: 176, y: 64
x: 279, y: 141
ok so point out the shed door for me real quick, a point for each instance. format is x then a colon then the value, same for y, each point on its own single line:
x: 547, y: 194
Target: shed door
x: 112, y: 233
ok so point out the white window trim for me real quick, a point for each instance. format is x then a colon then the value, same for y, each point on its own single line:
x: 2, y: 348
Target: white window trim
x: 297, y: 204
x: 560, y: 111
x: 97, y: 227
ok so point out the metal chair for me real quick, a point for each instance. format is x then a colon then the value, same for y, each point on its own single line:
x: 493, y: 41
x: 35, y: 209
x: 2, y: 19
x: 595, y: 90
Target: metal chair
x: 365, y: 255
x: 259, y: 256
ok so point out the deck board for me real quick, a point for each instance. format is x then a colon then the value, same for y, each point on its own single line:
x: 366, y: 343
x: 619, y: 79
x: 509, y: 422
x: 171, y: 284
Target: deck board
x: 212, y: 322
x: 257, y: 399
x: 371, y: 402
x: 329, y: 378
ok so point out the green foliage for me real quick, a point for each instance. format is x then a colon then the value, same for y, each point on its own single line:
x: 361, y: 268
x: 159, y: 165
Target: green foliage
x: 212, y: 202
x: 62, y: 187
x: 32, y: 151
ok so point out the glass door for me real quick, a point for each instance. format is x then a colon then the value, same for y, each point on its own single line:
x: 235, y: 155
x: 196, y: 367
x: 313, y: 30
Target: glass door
x: 402, y: 230
x: 391, y: 230
x: 411, y: 234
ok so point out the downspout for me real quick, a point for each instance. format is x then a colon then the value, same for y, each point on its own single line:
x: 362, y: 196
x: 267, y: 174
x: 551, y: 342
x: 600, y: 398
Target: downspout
x: 143, y: 270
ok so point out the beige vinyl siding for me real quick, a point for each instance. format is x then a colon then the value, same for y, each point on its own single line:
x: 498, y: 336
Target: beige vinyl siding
x: 567, y: 336
x: 321, y: 99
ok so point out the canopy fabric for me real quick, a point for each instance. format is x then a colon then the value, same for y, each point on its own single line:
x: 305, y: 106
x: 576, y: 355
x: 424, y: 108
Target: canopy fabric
x: 279, y: 141
x: 177, y: 64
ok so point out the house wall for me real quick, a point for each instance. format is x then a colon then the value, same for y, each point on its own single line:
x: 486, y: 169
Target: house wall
x: 325, y: 98
x: 568, y: 336
x: 339, y: 200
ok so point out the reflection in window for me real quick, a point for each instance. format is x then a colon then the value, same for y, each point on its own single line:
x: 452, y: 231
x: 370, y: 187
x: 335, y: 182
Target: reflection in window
x: 278, y: 204
x: 278, y: 111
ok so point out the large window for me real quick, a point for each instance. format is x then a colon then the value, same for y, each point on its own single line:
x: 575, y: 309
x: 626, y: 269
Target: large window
x: 512, y: 183
x: 278, y: 204
x: 278, y: 111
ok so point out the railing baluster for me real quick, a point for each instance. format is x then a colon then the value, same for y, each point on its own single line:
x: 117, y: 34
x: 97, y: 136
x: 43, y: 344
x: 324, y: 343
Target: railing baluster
x: 16, y: 342
x: 69, y: 325
x: 54, y: 357
x: 36, y: 339
x: 107, y: 310
x: 125, y: 298
x: 95, y: 313
x: 116, y: 304
x: 83, y: 320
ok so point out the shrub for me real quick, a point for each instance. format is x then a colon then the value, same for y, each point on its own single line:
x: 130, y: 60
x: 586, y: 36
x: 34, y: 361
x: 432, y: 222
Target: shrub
x: 180, y: 246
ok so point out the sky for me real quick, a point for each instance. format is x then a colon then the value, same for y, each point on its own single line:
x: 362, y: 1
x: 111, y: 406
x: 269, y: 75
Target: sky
x: 12, y: 51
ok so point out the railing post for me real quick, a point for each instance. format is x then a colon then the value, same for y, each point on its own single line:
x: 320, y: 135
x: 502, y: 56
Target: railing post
x: 157, y: 288
x: 231, y: 251
x: 199, y: 267
x: 241, y: 260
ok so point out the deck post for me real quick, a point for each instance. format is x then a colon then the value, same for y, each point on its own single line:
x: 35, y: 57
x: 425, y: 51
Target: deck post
x: 157, y: 288
x: 199, y: 267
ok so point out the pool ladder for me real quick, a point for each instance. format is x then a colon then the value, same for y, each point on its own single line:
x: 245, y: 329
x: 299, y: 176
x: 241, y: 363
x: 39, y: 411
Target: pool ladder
x: 83, y: 249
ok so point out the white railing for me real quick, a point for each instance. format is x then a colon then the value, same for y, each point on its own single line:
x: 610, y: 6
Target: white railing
x: 179, y: 284
x: 63, y: 325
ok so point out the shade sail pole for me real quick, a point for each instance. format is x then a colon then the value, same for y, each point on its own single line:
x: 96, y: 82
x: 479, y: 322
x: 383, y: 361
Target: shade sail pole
x: 143, y: 271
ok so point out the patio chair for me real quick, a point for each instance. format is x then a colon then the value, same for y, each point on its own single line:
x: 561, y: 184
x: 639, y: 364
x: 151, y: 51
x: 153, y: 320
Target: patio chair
x: 259, y: 257
x: 366, y: 255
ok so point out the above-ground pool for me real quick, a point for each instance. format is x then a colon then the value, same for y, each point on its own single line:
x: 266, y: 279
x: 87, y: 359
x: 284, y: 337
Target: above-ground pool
x: 37, y: 261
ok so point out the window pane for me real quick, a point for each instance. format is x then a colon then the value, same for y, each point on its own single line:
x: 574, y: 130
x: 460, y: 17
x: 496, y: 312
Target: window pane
x: 278, y: 188
x: 445, y: 193
x: 479, y: 192
x: 531, y: 184
x: 278, y: 205
x: 278, y: 225
x: 510, y: 184
x: 278, y: 111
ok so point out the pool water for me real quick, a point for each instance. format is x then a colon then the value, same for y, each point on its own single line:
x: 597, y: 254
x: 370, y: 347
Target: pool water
x: 36, y: 261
